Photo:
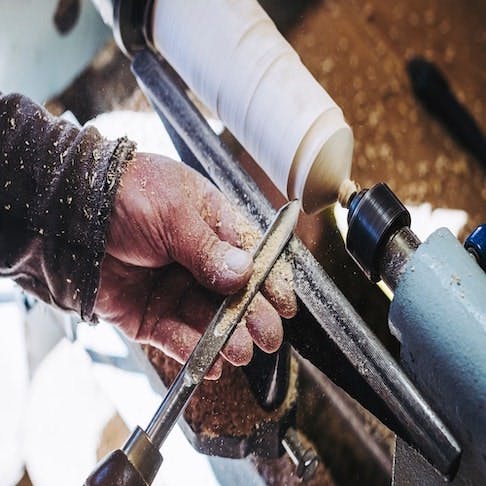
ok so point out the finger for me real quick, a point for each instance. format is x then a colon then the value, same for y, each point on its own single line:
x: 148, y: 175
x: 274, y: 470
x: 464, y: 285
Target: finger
x: 191, y: 308
x: 264, y: 325
x: 239, y: 349
x: 232, y: 226
x: 177, y: 340
x: 226, y: 220
x: 198, y: 306
x: 199, y: 309
x: 278, y: 289
x: 137, y: 300
x: 123, y: 294
x: 262, y: 321
x: 215, y: 264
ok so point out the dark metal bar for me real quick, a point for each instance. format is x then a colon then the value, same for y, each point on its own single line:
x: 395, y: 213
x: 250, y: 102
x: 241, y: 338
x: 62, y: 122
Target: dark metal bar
x: 404, y: 410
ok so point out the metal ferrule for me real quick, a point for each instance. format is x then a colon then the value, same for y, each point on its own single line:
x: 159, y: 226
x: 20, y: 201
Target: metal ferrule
x: 143, y: 455
x: 375, y: 215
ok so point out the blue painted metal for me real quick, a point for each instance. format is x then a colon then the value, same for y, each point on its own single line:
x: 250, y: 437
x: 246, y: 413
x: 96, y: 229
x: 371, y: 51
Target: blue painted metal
x: 476, y: 244
x: 439, y: 315
x: 35, y: 59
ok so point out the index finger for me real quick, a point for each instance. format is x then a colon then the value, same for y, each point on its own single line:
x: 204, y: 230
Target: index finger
x: 231, y: 225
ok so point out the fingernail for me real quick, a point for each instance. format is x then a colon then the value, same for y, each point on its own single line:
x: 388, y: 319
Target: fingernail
x: 237, y: 260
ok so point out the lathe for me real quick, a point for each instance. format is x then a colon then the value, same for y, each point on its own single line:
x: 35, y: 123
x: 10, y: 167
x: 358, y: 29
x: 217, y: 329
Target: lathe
x: 232, y: 58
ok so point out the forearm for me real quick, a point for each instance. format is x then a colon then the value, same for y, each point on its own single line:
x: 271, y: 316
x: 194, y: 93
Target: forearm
x: 57, y: 185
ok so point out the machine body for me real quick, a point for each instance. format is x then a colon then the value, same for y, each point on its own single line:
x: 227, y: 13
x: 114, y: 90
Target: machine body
x: 438, y: 314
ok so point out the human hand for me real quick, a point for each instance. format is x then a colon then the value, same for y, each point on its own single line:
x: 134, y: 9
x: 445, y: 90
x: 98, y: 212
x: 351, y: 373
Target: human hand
x: 173, y: 248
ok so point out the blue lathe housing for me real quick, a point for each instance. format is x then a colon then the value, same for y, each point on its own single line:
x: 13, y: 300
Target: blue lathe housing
x: 438, y: 314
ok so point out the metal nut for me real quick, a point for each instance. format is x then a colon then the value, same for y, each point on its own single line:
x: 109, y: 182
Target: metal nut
x: 306, y: 459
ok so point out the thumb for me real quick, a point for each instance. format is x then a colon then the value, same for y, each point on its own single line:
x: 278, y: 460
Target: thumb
x: 215, y: 264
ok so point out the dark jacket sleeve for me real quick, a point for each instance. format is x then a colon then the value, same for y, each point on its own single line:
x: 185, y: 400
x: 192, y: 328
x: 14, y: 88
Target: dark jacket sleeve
x: 57, y: 186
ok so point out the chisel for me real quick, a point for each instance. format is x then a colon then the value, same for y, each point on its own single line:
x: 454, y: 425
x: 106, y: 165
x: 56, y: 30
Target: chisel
x: 137, y: 463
